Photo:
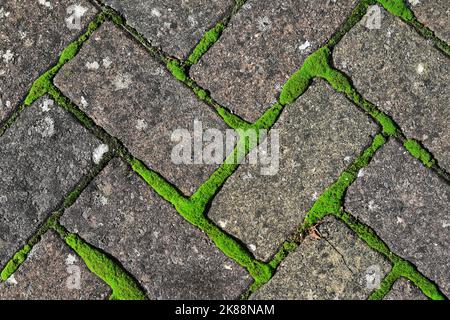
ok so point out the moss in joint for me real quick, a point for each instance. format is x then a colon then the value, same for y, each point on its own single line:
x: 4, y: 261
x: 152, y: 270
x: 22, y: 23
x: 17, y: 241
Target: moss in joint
x: 398, y: 8
x: 419, y: 152
x: 206, y: 42
x: 15, y: 262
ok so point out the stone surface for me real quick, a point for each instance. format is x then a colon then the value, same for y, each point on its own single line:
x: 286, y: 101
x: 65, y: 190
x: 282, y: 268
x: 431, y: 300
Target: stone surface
x: 176, y: 26
x: 320, y: 135
x: 265, y: 43
x: 123, y: 216
x: 31, y: 37
x: 405, y: 77
x: 53, y: 271
x: 404, y: 290
x: 42, y: 157
x: 135, y: 99
x: 337, y: 266
x: 434, y: 15
x: 407, y: 205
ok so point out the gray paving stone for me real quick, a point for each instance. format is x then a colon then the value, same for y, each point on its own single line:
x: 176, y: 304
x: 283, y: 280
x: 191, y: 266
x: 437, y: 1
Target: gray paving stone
x: 31, y: 37
x: 42, y: 157
x: 404, y: 76
x: 118, y: 84
x: 265, y: 43
x: 337, y: 266
x: 53, y: 271
x: 407, y: 205
x: 120, y: 214
x: 404, y: 289
x: 433, y: 14
x: 319, y: 136
x: 177, y: 25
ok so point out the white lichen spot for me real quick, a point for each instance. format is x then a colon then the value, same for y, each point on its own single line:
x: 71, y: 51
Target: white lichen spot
x: 104, y: 201
x: 71, y: 259
x: 315, y: 196
x: 84, y: 102
x: 361, y: 173
x: 3, y: 13
x: 46, y: 127
x: 420, y: 68
x: 122, y: 81
x: 92, y: 65
x: 252, y: 247
x: 372, y: 205
x: 22, y: 35
x: 414, y: 2
x: 192, y: 22
x: 8, y: 56
x: 141, y: 125
x: 98, y: 153
x: 222, y: 223
x: 107, y: 62
x: 75, y: 13
x: 46, y: 105
x: 445, y: 224
x: 373, y: 18
x: 155, y: 12
x: 264, y: 24
x: 45, y: 3
x: 12, y: 281
x: 227, y: 266
x: 305, y: 45
x: 247, y: 6
x: 347, y: 159
x: 400, y: 220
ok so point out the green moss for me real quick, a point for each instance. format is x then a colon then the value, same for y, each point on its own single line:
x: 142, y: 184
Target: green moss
x: 15, y: 262
x: 40, y: 86
x: 177, y: 70
x: 419, y: 152
x: 398, y: 8
x: 285, y: 249
x: 206, y: 42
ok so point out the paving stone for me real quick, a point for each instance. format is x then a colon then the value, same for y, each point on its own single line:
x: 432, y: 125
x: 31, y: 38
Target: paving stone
x: 31, y: 37
x: 407, y: 205
x: 265, y: 43
x: 120, y: 214
x: 434, y: 15
x: 337, y: 266
x: 137, y: 100
x: 53, y: 271
x: 42, y: 157
x: 319, y: 136
x: 177, y: 25
x: 405, y: 77
x: 404, y: 290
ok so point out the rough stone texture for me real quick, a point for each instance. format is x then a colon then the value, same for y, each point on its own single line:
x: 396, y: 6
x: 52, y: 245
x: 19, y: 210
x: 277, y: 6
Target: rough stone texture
x: 120, y: 214
x: 405, y: 77
x: 404, y: 289
x: 407, y: 205
x: 319, y: 136
x: 42, y: 157
x: 265, y: 43
x: 53, y: 271
x: 337, y: 266
x: 433, y: 14
x: 137, y: 100
x: 176, y: 26
x: 31, y: 37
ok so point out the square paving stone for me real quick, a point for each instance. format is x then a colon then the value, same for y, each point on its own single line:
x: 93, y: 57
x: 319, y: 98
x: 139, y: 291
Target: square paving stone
x: 32, y: 34
x: 319, y: 136
x: 407, y: 205
x: 123, y: 216
x: 42, y: 157
x: 118, y: 84
x: 434, y: 14
x: 405, y: 290
x: 338, y: 266
x: 265, y: 43
x: 53, y: 271
x: 404, y: 76
x: 175, y: 25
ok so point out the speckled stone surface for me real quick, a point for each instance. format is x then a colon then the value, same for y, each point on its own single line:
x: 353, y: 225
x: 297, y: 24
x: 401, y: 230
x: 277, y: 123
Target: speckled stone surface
x: 265, y: 43
x: 127, y: 92
x: 407, y: 205
x: 53, y: 271
x: 434, y: 14
x: 177, y: 25
x: 31, y: 37
x: 319, y: 136
x: 120, y: 214
x: 404, y: 290
x: 337, y: 266
x: 42, y: 157
x: 404, y: 76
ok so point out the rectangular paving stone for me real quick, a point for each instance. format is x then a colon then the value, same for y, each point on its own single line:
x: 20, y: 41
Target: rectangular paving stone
x: 176, y: 25
x: 404, y: 76
x: 42, y: 157
x: 339, y: 266
x: 171, y: 259
x: 319, y: 136
x: 434, y: 14
x: 32, y: 34
x: 404, y: 289
x: 134, y: 98
x: 407, y: 205
x: 53, y: 271
x: 264, y: 44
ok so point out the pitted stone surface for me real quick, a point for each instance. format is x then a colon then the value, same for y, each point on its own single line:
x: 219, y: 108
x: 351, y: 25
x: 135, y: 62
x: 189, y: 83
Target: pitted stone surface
x: 407, y: 205
x: 434, y: 14
x: 337, y: 266
x: 176, y: 26
x: 320, y: 135
x: 120, y: 86
x: 120, y: 214
x: 31, y: 37
x: 53, y: 271
x: 404, y: 290
x: 405, y: 77
x: 265, y: 43
x: 42, y: 157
